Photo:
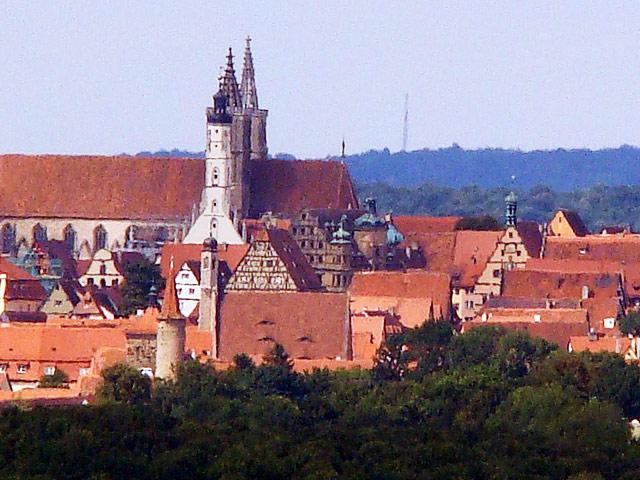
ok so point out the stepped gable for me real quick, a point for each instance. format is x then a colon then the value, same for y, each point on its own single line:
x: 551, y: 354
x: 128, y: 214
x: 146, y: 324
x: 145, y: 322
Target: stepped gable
x: 310, y: 325
x: 288, y: 186
x: 100, y: 187
x: 471, y: 252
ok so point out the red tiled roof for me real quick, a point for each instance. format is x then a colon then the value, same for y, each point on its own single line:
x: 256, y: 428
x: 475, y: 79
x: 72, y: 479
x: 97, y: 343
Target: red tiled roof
x: 307, y: 324
x: 297, y: 264
x: 57, y: 346
x: 156, y: 188
x: 471, y: 252
x: 185, y: 252
x: 100, y: 186
x: 528, y: 283
x: 25, y: 290
x: 419, y: 224
x: 14, y: 272
x: 288, y: 186
x: 594, y: 247
x: 575, y: 222
x: 558, y: 333
x: 584, y: 343
x: 531, y: 237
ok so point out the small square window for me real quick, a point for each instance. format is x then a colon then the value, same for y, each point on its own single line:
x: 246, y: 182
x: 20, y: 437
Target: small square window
x: 23, y: 368
x: 83, y: 371
x: 192, y: 291
x: 49, y: 370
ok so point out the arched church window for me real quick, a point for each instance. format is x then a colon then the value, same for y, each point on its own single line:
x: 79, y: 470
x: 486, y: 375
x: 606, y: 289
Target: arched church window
x: 70, y: 237
x: 39, y: 233
x: 99, y: 238
x: 216, y: 176
x: 8, y: 238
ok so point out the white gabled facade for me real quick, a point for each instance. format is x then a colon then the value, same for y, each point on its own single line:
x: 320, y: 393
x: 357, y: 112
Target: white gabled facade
x: 187, y: 289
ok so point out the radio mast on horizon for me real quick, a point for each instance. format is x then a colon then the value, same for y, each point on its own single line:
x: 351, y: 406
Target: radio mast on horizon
x: 405, y: 130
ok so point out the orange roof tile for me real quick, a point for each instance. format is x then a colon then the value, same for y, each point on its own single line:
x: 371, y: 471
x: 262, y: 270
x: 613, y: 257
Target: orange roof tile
x: 583, y: 343
x: 471, y: 252
x: 594, y: 247
x: 530, y: 283
x: 14, y: 272
x: 133, y: 184
x: 184, y: 252
x: 307, y: 324
x: 419, y: 224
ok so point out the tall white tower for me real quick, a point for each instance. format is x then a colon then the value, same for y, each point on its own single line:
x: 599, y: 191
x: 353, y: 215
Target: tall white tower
x: 217, y: 212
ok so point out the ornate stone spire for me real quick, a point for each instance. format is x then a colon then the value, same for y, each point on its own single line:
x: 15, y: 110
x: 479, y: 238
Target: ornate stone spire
x: 248, y: 85
x: 170, y: 304
x: 230, y: 84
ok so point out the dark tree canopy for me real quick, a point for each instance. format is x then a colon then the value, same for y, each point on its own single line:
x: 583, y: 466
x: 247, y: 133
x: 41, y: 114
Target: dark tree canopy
x: 139, y: 276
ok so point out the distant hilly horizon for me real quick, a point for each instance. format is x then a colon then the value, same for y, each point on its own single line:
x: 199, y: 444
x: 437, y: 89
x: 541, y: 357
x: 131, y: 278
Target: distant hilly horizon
x: 560, y: 169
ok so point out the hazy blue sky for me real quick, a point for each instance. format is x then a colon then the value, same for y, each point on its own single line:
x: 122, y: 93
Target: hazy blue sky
x: 110, y: 77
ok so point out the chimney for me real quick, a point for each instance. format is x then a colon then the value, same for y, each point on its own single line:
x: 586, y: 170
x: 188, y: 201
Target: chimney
x: 585, y: 292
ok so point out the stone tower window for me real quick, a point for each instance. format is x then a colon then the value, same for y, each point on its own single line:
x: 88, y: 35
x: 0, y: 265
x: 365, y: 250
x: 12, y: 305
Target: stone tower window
x: 216, y: 176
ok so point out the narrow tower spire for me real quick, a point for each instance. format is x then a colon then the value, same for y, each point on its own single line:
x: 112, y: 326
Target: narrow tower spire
x: 230, y: 84
x: 248, y: 85
x: 170, y: 304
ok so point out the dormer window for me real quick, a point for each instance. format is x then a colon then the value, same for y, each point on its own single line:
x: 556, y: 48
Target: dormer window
x: 23, y: 368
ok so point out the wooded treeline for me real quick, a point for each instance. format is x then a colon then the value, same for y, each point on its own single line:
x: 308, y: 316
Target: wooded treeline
x: 485, y: 405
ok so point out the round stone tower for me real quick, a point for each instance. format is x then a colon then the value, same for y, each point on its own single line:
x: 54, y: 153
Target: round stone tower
x: 170, y: 338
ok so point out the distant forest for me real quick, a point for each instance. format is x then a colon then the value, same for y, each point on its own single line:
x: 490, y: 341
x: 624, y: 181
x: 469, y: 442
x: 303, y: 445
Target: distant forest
x: 598, y: 206
x: 603, y: 186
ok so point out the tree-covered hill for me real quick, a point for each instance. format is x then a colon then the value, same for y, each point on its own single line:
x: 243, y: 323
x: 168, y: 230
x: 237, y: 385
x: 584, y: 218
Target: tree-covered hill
x: 562, y: 170
x: 598, y: 206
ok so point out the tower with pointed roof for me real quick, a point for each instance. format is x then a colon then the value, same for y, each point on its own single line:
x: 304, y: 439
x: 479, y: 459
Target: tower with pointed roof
x: 235, y: 138
x: 250, y: 107
x: 170, y: 338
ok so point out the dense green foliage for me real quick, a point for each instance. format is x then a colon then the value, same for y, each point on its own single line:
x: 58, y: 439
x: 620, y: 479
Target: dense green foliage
x: 484, y: 222
x: 598, y: 206
x: 630, y: 324
x: 139, y: 277
x: 59, y: 379
x: 487, y: 404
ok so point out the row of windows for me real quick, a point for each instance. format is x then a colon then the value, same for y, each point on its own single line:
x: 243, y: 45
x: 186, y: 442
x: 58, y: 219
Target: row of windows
x: 24, y: 368
x: 39, y: 234
x: 103, y: 282
x: 304, y: 231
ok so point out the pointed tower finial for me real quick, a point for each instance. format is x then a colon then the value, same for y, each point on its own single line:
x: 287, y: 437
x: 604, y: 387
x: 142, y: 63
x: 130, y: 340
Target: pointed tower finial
x: 170, y: 304
x: 248, y: 83
x: 230, y: 84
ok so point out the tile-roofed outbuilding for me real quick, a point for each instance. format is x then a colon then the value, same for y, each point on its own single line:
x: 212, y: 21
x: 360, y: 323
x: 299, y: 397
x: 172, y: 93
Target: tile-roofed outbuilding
x: 228, y: 255
x: 558, y: 333
x: 599, y: 343
x: 308, y: 324
x: 416, y: 296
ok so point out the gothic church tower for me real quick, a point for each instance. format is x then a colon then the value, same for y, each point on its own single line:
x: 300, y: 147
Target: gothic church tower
x: 235, y: 137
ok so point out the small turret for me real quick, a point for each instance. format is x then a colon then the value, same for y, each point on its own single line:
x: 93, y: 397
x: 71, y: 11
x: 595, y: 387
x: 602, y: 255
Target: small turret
x: 170, y: 339
x: 341, y: 236
x: 511, y: 217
